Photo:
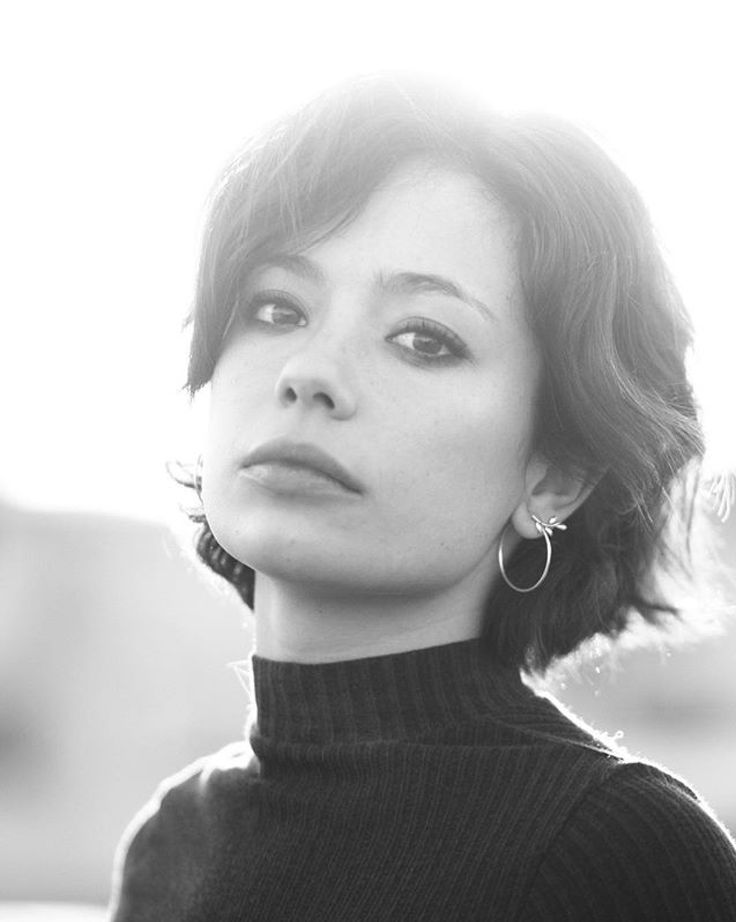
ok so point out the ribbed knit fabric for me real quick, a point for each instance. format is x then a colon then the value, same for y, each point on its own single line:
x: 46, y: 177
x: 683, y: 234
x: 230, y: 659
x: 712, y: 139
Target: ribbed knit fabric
x: 423, y: 785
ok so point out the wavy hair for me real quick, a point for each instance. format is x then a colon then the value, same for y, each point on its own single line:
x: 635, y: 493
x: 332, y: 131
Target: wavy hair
x: 615, y: 403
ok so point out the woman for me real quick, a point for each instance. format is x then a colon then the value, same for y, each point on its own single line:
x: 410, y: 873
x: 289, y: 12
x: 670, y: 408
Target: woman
x: 450, y: 435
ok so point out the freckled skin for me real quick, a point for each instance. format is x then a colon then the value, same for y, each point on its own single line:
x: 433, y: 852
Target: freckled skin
x: 443, y: 450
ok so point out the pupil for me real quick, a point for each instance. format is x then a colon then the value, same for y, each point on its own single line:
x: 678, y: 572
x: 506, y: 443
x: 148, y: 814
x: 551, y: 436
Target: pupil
x: 427, y: 344
x: 280, y: 314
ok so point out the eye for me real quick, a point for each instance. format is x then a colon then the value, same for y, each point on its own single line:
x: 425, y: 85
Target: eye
x: 273, y: 309
x: 430, y: 343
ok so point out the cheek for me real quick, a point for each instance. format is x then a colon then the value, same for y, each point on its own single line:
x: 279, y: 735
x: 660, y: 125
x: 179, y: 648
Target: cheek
x: 460, y: 469
x: 230, y: 421
x: 239, y: 391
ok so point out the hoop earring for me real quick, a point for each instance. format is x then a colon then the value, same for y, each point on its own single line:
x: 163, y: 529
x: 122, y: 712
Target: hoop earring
x: 198, y: 479
x: 545, y: 529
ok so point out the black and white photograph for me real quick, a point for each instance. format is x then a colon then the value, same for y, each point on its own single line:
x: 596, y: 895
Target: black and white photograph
x: 368, y: 470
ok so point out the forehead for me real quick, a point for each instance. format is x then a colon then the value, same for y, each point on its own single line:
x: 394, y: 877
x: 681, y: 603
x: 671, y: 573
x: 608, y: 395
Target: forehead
x: 421, y: 193
x: 426, y: 219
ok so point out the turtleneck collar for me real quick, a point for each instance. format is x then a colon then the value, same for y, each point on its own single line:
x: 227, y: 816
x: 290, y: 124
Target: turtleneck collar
x: 395, y: 696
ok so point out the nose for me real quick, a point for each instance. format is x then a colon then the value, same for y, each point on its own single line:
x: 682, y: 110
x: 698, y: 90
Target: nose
x: 314, y: 380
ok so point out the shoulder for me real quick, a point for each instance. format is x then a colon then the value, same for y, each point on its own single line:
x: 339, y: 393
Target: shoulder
x: 193, y: 790
x: 175, y: 827
x: 638, y: 844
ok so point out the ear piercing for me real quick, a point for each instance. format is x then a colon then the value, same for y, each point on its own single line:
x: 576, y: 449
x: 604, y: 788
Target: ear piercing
x: 546, y: 530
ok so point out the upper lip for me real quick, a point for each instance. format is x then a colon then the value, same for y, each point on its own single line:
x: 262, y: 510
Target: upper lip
x: 304, y: 455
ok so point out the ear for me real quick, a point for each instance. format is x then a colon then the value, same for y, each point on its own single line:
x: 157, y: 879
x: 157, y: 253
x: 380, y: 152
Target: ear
x: 550, y: 491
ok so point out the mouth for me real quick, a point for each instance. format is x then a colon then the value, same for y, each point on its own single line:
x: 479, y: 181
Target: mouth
x: 286, y: 459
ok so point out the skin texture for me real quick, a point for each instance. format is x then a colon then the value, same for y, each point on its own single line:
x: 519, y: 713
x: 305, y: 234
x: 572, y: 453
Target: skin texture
x: 442, y: 449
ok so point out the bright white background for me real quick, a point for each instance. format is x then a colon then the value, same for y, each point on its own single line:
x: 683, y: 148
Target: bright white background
x: 116, y: 118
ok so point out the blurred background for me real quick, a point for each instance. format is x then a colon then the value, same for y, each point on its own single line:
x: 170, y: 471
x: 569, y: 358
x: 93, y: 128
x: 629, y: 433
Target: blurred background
x: 117, y: 118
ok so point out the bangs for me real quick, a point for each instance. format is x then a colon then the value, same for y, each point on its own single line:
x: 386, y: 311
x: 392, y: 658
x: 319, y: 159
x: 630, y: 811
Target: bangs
x: 304, y: 178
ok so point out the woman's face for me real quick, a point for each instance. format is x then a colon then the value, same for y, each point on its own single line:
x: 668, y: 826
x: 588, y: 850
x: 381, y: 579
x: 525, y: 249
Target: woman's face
x: 398, y: 347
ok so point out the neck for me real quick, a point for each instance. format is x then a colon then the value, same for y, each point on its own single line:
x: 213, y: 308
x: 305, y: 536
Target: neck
x: 303, y: 626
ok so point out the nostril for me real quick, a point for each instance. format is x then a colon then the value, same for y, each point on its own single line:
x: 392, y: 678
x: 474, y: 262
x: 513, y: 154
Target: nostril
x: 311, y: 389
x: 325, y: 399
x: 291, y: 395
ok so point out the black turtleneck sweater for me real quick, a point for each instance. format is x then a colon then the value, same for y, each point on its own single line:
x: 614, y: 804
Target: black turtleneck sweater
x: 420, y: 786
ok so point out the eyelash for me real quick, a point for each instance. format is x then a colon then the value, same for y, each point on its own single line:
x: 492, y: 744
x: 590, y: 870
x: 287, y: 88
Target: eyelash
x: 270, y: 297
x: 457, y: 350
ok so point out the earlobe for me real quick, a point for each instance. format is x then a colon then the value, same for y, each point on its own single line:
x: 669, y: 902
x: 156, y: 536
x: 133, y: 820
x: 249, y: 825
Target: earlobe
x: 550, y: 492
x: 523, y: 522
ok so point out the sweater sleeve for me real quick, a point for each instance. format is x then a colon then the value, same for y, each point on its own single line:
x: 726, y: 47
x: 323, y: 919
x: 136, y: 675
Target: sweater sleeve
x: 173, y: 841
x: 639, y: 846
x: 151, y: 881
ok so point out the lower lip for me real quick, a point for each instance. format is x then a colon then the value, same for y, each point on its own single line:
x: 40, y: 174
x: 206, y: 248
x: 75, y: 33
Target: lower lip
x: 292, y: 479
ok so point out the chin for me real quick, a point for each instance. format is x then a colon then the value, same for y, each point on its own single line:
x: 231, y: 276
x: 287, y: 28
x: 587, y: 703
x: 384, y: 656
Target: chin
x: 286, y: 546
x: 278, y: 554
x: 321, y: 569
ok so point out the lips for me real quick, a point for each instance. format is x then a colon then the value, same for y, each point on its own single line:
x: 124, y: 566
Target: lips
x: 302, y: 454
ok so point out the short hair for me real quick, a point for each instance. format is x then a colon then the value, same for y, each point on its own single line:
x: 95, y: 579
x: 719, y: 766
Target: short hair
x: 615, y: 403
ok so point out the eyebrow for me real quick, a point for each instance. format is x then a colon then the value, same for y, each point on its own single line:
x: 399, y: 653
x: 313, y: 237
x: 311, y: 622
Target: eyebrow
x: 398, y: 283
